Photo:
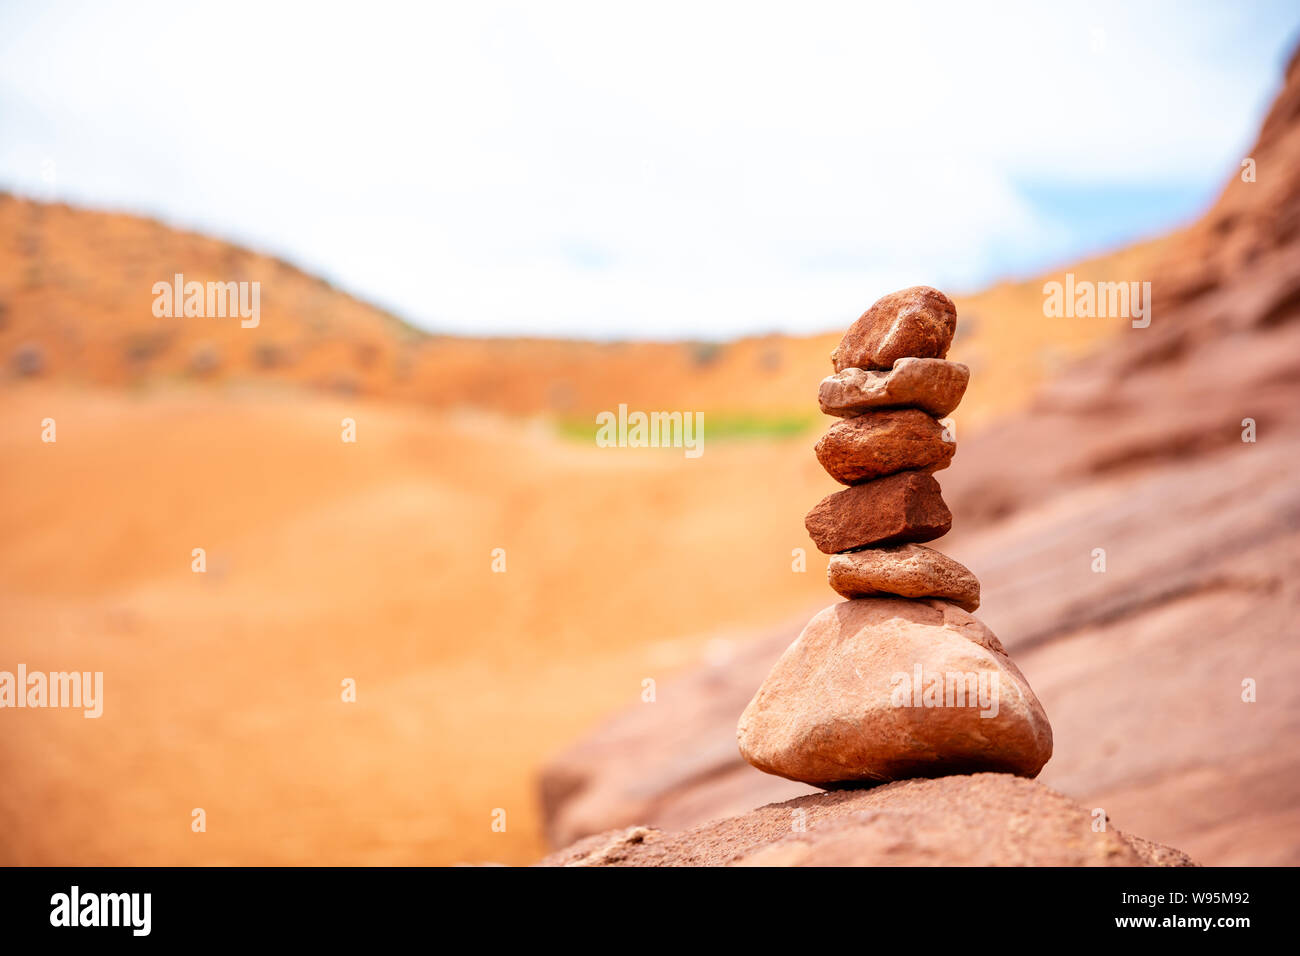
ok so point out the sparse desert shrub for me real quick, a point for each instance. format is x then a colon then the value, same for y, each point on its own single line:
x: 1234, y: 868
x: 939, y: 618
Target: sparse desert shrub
x: 143, y: 347
x: 704, y: 353
x: 29, y: 359
x: 343, y: 384
x: 367, y: 353
x: 269, y: 355
x: 204, y: 359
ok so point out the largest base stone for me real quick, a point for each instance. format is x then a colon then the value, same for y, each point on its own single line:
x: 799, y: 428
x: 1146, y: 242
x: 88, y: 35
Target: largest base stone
x: 880, y: 689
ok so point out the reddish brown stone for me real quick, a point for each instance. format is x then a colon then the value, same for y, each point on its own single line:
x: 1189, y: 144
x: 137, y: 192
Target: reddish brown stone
x: 932, y: 385
x: 918, y: 322
x: 886, y: 688
x: 883, y: 443
x: 908, y: 570
x: 903, y: 507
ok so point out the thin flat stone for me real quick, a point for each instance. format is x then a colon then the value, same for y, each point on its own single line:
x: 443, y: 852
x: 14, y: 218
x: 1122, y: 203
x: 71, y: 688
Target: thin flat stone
x: 932, y: 385
x: 905, y: 570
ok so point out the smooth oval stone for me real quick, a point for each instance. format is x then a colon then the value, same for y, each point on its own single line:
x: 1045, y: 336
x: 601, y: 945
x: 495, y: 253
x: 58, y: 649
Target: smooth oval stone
x: 884, y: 689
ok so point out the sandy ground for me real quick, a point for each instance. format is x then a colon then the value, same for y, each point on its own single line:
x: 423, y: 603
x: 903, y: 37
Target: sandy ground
x: 370, y: 561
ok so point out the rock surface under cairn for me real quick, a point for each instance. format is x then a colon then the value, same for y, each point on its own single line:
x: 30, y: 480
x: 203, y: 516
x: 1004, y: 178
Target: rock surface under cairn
x: 986, y: 819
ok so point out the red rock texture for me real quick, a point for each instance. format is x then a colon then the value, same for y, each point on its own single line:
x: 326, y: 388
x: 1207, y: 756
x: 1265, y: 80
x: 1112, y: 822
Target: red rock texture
x: 900, y: 508
x: 981, y: 820
x: 882, y: 443
x: 932, y: 385
x: 912, y: 323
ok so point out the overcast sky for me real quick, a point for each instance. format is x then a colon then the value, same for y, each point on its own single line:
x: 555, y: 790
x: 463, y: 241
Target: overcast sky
x: 653, y: 169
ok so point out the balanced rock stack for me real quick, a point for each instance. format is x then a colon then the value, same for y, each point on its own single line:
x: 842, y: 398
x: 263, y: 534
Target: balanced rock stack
x: 899, y: 680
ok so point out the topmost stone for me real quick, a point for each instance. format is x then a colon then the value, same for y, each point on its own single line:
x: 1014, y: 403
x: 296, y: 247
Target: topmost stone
x: 918, y: 322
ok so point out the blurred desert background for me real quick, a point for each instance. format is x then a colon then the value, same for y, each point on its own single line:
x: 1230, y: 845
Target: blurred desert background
x: 522, y: 691
x: 373, y: 560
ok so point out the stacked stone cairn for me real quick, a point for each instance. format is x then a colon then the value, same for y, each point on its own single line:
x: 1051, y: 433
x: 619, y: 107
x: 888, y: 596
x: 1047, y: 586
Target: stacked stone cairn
x: 900, y: 680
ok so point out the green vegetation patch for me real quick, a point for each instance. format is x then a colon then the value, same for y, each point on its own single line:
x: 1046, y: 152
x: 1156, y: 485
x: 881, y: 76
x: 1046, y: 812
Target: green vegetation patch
x: 718, y: 426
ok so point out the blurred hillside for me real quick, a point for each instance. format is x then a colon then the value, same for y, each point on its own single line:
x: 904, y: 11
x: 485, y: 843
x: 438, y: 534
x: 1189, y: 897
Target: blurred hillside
x: 75, y: 307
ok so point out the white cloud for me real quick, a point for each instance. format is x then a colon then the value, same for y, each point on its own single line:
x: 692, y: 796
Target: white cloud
x: 694, y: 169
